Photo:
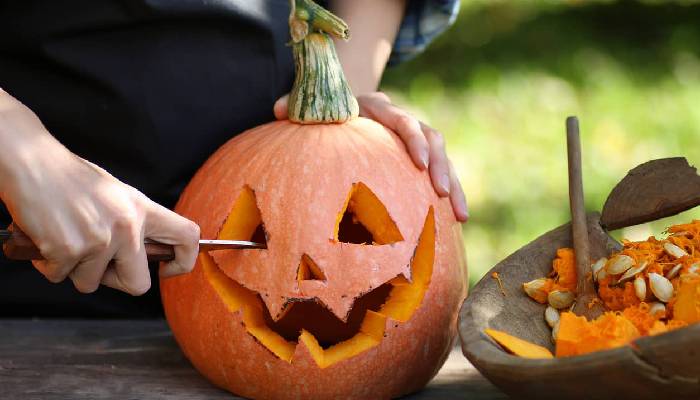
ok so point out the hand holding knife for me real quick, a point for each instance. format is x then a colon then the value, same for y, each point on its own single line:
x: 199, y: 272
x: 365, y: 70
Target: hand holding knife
x: 18, y: 246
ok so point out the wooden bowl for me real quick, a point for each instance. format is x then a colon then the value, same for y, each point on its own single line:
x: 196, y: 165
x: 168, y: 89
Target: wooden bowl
x: 664, y: 366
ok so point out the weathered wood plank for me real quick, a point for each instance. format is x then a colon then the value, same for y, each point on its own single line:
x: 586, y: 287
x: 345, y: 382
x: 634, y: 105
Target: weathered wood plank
x: 126, y: 359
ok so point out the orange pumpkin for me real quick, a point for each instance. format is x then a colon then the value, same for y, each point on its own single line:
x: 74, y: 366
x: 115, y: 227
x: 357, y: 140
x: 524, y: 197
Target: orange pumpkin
x: 357, y: 293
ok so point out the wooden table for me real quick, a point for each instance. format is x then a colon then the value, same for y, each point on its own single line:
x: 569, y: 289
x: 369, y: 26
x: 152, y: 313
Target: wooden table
x: 126, y: 359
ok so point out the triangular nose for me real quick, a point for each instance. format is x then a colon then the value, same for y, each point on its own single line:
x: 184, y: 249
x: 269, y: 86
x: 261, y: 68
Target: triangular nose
x: 309, y: 271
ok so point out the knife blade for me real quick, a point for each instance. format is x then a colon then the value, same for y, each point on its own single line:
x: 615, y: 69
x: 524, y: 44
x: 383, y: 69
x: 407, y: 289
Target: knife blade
x: 18, y: 246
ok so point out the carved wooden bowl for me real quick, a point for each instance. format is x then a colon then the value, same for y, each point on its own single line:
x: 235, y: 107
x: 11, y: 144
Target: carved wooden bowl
x: 661, y: 367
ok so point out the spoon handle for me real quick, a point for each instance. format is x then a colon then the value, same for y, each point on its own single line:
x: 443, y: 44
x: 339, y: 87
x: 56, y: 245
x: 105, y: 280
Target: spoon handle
x: 579, y: 228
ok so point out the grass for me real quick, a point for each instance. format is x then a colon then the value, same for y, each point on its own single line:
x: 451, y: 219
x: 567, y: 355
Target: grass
x: 500, y: 83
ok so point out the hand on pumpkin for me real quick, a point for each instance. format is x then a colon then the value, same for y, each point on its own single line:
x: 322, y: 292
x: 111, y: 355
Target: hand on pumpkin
x: 425, y: 145
x: 79, y: 216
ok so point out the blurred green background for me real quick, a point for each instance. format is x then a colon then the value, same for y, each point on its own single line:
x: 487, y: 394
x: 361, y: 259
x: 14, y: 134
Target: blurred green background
x: 500, y: 83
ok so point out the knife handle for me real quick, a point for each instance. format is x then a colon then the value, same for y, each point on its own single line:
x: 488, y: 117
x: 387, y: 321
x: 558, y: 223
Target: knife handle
x: 20, y: 247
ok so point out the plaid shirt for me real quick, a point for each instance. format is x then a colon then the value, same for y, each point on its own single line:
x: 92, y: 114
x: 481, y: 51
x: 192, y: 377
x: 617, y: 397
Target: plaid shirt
x: 424, y: 21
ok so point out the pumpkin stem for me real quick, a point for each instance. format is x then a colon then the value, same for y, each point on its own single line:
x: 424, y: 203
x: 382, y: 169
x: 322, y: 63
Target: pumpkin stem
x: 320, y: 94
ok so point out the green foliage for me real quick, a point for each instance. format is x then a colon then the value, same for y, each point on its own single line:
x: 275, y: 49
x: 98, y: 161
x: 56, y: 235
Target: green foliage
x: 500, y: 83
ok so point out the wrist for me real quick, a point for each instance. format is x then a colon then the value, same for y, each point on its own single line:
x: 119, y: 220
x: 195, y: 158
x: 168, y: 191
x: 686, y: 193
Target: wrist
x: 26, y: 145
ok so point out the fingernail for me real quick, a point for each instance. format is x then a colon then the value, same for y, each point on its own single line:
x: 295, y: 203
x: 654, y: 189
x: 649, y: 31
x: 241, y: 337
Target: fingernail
x: 464, y: 210
x: 424, y: 158
x: 444, y: 183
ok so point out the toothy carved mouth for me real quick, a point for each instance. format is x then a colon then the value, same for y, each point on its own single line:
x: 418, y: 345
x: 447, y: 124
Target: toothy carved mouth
x: 328, y: 339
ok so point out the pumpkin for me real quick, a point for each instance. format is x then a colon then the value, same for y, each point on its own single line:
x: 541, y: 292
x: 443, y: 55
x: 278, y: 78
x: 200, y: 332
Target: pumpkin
x: 357, y: 293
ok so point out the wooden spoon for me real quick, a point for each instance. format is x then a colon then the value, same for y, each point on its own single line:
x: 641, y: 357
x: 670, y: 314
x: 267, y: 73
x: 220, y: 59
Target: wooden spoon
x: 587, y: 303
x: 653, y: 190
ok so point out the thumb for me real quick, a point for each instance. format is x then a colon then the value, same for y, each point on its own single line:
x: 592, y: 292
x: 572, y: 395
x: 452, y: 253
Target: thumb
x: 165, y: 226
x: 280, y: 107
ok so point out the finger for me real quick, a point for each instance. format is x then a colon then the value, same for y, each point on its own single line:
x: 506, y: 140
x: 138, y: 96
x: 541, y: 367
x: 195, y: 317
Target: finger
x: 439, y: 166
x: 111, y: 279
x: 457, y: 197
x: 61, y: 252
x: 406, y: 126
x: 87, y: 275
x: 381, y: 96
x: 51, y: 270
x: 131, y: 268
x: 54, y: 271
x: 165, y: 226
x: 280, y: 108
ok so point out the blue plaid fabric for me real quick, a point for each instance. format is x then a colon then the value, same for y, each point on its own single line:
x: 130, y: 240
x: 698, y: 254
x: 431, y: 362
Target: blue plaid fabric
x: 424, y: 21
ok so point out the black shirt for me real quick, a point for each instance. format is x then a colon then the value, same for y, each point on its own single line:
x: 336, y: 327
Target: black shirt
x: 147, y: 89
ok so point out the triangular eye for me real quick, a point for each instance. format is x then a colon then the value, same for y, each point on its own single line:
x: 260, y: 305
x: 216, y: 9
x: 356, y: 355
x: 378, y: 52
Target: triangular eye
x: 365, y: 220
x: 244, y: 222
x: 309, y: 271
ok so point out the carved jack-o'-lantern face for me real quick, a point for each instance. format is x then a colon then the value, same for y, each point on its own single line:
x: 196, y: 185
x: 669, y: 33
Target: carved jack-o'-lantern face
x: 359, y: 284
x: 323, y: 304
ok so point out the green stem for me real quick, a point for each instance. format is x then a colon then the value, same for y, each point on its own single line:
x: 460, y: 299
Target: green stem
x: 320, y: 94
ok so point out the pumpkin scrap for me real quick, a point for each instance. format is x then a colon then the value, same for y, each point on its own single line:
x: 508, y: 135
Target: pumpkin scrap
x: 563, y: 277
x: 687, y: 305
x: 577, y: 335
x: 657, y: 290
x: 518, y: 346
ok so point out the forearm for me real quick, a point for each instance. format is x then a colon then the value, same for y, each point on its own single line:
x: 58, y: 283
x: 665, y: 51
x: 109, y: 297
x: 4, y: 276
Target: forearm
x: 374, y: 25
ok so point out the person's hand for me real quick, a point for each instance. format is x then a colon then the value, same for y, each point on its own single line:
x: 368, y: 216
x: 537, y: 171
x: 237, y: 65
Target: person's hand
x: 425, y: 145
x: 79, y: 216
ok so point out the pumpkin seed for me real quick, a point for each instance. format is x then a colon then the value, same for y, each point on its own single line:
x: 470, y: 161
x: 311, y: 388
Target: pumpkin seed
x: 694, y: 269
x: 560, y: 299
x: 551, y: 315
x: 656, y: 307
x: 674, y: 271
x: 640, y: 288
x: 633, y: 271
x: 602, y: 274
x: 661, y: 287
x: 534, y: 287
x: 674, y: 250
x: 619, y: 264
x: 597, y: 267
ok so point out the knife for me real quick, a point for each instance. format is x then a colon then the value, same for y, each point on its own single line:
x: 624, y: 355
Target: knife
x: 18, y: 246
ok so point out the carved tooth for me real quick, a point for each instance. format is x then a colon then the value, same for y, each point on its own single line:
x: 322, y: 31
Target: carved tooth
x: 633, y: 271
x: 661, y: 287
x: 656, y: 307
x: 534, y: 288
x: 640, y: 288
x: 674, y: 250
x: 597, y: 267
x: 619, y: 264
x: 551, y: 315
x: 560, y: 299
x: 674, y: 271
